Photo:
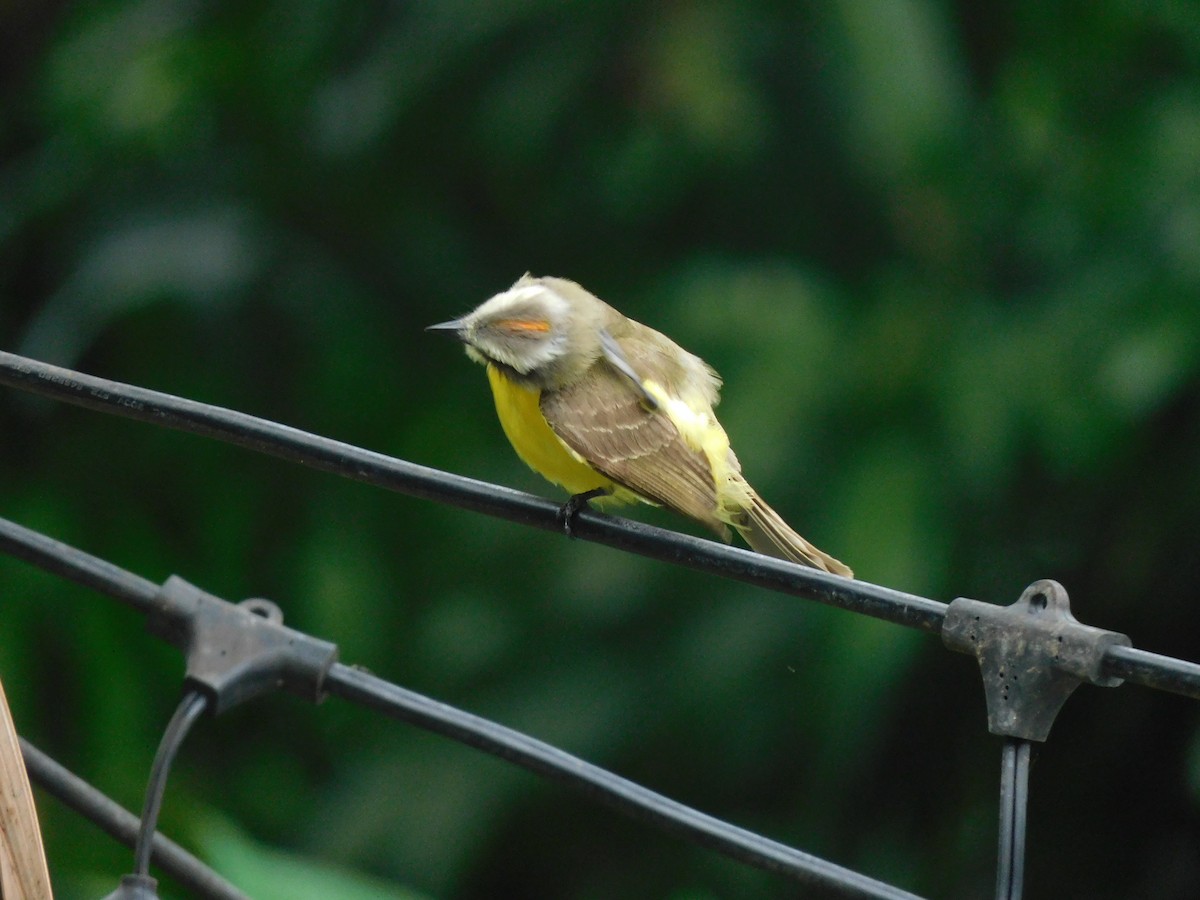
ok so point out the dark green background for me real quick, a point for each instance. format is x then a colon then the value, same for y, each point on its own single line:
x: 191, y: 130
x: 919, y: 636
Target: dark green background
x: 946, y: 256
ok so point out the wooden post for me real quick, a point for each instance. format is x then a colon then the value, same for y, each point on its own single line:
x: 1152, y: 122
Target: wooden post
x: 23, y: 874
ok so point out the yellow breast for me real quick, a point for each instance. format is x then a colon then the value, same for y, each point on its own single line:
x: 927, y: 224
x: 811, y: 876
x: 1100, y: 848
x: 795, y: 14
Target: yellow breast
x: 535, y: 442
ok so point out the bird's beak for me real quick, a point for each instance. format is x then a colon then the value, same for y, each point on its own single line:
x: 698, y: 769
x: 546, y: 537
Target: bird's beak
x: 457, y: 327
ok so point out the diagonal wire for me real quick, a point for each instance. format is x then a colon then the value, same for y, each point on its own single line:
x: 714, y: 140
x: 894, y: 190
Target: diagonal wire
x: 372, y: 692
x: 272, y: 438
x: 415, y: 480
x: 624, y: 795
x: 75, y: 565
x: 122, y: 825
x: 1133, y: 665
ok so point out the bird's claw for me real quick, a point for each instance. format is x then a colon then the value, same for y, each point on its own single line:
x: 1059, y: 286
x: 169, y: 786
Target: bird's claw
x: 569, y: 510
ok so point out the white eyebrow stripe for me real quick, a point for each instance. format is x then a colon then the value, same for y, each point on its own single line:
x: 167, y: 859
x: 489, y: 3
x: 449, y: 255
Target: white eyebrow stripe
x: 528, y: 292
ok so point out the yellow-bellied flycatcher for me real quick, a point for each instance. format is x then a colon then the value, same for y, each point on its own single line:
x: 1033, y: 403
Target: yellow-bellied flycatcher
x: 601, y: 404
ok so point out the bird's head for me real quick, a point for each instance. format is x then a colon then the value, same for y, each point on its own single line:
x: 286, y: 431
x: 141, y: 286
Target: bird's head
x: 541, y: 331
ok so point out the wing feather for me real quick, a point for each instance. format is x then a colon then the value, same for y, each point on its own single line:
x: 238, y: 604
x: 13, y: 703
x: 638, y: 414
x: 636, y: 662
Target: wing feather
x: 603, y: 418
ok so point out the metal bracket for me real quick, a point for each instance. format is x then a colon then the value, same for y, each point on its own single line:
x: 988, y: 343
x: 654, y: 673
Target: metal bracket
x: 1033, y: 654
x: 236, y: 652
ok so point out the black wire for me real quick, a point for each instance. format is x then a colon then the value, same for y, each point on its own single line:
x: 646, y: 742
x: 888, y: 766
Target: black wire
x: 1135, y: 666
x: 75, y: 565
x: 122, y: 825
x: 1014, y: 805
x: 419, y: 481
x: 1008, y: 769
x: 490, y: 737
x: 629, y: 797
x: 1152, y: 670
x: 190, y: 708
x: 1141, y: 667
x: 268, y: 437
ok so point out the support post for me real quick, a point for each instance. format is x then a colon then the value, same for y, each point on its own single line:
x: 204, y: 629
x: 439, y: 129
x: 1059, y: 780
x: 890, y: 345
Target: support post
x: 1033, y: 655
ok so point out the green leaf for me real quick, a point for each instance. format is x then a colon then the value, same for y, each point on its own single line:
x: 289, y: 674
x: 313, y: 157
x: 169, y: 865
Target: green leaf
x: 268, y: 874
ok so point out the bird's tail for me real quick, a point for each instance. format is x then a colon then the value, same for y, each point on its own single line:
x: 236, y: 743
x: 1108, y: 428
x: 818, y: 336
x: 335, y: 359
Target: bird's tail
x: 767, y: 533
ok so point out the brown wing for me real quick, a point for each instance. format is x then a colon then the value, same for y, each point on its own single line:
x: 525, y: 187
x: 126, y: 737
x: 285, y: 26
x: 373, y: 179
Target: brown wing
x: 602, y: 418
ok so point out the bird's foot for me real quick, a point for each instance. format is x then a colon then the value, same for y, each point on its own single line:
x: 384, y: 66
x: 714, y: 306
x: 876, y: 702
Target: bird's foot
x: 569, y: 510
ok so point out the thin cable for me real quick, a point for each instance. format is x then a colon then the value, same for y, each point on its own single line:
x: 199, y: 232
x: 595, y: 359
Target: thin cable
x: 1008, y: 777
x: 122, y: 825
x: 1133, y: 665
x: 414, y: 480
x: 1145, y: 668
x: 1014, y: 805
x: 627, y: 796
x: 190, y: 708
x: 468, y: 729
x: 1020, y: 818
x: 1153, y: 670
x: 75, y: 565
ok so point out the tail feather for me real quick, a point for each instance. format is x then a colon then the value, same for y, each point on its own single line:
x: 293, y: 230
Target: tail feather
x: 767, y: 533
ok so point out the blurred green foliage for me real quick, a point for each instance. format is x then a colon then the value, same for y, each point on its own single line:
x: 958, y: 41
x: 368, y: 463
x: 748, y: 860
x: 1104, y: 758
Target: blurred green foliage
x: 946, y: 256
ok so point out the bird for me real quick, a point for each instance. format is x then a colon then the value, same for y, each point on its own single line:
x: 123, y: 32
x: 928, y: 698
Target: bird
x: 612, y: 410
